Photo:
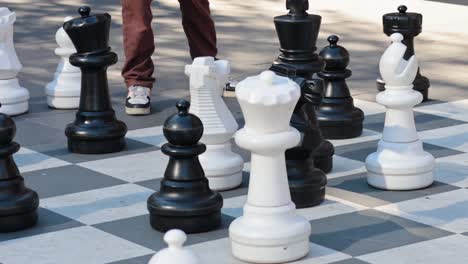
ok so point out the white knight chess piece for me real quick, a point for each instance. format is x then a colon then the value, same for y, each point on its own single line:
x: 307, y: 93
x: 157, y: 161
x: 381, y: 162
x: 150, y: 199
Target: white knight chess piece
x: 269, y: 231
x: 64, y: 91
x: 400, y: 162
x: 13, y: 97
x: 222, y: 167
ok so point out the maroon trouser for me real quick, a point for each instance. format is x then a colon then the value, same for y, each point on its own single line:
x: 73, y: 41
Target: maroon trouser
x: 139, y: 40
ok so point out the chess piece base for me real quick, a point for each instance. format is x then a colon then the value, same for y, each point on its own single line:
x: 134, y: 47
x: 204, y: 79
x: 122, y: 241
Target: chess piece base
x: 18, y: 222
x: 64, y: 93
x: 336, y: 122
x: 189, y: 224
x: 400, y: 166
x: 222, y: 167
x: 323, y: 156
x: 252, y: 238
x: 13, y: 97
x: 420, y: 84
x: 96, y: 147
x: 306, y: 185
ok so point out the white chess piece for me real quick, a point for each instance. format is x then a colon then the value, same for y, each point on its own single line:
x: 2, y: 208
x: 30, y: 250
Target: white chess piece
x: 64, y: 91
x: 400, y: 162
x: 175, y: 253
x: 13, y: 97
x: 269, y: 231
x: 222, y: 167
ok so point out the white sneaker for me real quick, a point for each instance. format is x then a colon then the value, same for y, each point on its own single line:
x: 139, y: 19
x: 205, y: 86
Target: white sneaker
x: 138, y: 101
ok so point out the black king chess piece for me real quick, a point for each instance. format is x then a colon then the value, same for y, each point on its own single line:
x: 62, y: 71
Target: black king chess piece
x: 337, y: 116
x: 297, y: 32
x: 410, y: 26
x: 95, y: 129
x: 18, y: 204
x: 184, y: 200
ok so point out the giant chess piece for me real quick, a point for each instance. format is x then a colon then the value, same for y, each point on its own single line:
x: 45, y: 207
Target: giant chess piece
x: 64, y: 91
x: 297, y: 32
x: 18, y: 204
x: 185, y: 200
x: 337, y: 116
x: 175, y: 253
x: 410, y: 26
x: 222, y: 167
x: 400, y: 162
x: 96, y: 129
x: 269, y: 231
x: 14, y: 98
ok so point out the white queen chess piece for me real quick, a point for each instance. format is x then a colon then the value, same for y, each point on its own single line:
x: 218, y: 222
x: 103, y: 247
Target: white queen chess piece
x: 222, y: 167
x: 64, y: 91
x: 269, y: 231
x: 13, y: 97
x: 400, y: 162
x: 175, y: 253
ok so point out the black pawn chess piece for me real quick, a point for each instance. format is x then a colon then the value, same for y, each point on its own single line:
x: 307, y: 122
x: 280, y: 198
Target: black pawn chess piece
x: 306, y: 183
x: 410, y: 26
x: 184, y: 200
x: 337, y: 116
x: 297, y: 32
x: 18, y: 204
x: 95, y: 129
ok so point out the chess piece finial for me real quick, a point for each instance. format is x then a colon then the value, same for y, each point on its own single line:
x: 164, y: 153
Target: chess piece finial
x: 267, y: 102
x: 18, y: 204
x: 14, y: 97
x: 175, y: 253
x: 395, y: 70
x: 84, y: 11
x: 184, y: 200
x: 64, y: 91
x: 297, y: 7
x: 222, y: 167
x: 402, y: 9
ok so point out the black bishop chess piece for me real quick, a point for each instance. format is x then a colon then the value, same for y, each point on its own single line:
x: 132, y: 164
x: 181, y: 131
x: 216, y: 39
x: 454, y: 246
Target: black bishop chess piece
x: 184, y: 200
x: 297, y: 32
x: 18, y: 204
x: 96, y: 129
x: 337, y: 116
x: 410, y: 26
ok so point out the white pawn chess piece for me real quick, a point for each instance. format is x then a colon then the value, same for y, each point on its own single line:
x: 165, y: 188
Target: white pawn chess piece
x: 269, y: 231
x: 64, y: 91
x: 400, y: 162
x: 222, y: 167
x: 175, y: 253
x: 13, y: 97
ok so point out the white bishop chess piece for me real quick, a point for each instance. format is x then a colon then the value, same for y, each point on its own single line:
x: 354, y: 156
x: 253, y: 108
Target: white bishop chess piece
x: 269, y: 231
x: 64, y: 91
x: 400, y: 162
x: 222, y: 167
x: 13, y: 97
x: 175, y: 253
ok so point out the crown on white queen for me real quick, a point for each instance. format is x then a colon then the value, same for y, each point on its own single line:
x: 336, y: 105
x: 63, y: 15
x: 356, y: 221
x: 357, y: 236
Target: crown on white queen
x: 395, y: 70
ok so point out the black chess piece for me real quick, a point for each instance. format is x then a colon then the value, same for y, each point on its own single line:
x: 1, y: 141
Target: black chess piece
x: 18, y: 204
x: 337, y: 116
x: 95, y: 129
x: 410, y: 26
x: 184, y: 200
x: 297, y: 32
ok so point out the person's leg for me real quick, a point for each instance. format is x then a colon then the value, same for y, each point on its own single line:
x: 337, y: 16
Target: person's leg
x: 138, y: 43
x: 199, y: 27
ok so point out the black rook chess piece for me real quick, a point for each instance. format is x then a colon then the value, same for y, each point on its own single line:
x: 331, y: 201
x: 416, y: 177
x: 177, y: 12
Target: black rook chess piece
x: 184, y: 200
x: 95, y: 129
x: 18, y: 204
x: 297, y: 32
x: 337, y: 116
x: 410, y: 26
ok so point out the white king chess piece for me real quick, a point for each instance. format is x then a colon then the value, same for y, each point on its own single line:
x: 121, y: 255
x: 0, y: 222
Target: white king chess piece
x: 64, y: 91
x: 13, y: 97
x: 175, y: 253
x: 222, y: 167
x: 400, y: 162
x: 269, y: 231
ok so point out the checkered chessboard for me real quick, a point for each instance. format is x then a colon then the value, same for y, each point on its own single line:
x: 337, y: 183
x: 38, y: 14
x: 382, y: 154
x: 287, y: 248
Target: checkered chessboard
x: 93, y: 207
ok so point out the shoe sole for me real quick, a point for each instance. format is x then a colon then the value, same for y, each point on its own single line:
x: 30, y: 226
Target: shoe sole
x: 137, y: 111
